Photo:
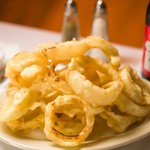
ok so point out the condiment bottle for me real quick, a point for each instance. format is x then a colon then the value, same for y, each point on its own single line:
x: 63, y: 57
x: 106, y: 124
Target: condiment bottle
x: 99, y: 27
x: 70, y: 25
x: 146, y: 48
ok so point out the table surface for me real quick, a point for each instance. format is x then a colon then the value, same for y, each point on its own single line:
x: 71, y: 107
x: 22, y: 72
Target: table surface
x: 27, y: 38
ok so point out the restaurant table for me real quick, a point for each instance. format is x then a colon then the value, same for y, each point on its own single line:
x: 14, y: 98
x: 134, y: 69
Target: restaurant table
x: 16, y: 37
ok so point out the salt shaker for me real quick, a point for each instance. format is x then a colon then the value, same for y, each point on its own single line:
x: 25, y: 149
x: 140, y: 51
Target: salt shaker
x: 100, y: 27
x: 70, y: 25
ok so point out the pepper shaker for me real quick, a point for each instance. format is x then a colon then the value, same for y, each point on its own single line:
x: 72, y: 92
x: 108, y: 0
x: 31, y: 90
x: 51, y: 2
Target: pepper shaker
x: 70, y: 25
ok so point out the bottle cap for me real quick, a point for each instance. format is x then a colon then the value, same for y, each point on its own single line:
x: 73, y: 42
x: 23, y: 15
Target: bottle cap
x: 70, y: 3
x: 70, y: 6
x: 100, y: 6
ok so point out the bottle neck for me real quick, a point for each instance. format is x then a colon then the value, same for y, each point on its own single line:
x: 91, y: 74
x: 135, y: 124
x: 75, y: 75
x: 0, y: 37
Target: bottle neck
x: 148, y: 16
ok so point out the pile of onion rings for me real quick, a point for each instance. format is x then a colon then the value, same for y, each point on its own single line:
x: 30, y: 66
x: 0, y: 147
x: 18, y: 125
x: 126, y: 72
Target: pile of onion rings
x: 61, y: 90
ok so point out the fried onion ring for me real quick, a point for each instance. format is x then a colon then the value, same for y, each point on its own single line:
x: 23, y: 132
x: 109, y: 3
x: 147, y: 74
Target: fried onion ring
x: 14, y: 108
x: 118, y: 122
x: 95, y: 95
x: 61, y: 90
x: 68, y: 120
x: 43, y: 88
x: 134, y: 87
x: 110, y: 51
x: 25, y: 68
x: 59, y: 83
x: 125, y: 105
x: 25, y: 126
x: 72, y: 49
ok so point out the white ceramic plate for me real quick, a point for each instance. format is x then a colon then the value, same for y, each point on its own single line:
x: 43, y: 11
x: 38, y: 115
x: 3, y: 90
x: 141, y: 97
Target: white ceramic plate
x: 4, y: 84
x: 38, y: 142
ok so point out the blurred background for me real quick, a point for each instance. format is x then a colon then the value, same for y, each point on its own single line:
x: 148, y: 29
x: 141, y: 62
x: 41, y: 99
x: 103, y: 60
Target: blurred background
x: 126, y: 18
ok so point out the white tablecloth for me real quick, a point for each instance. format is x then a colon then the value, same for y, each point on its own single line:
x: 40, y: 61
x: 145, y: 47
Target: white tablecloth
x: 27, y: 38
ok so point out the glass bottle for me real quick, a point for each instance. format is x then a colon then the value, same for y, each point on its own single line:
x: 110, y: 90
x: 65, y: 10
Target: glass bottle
x: 146, y: 48
x: 70, y: 25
